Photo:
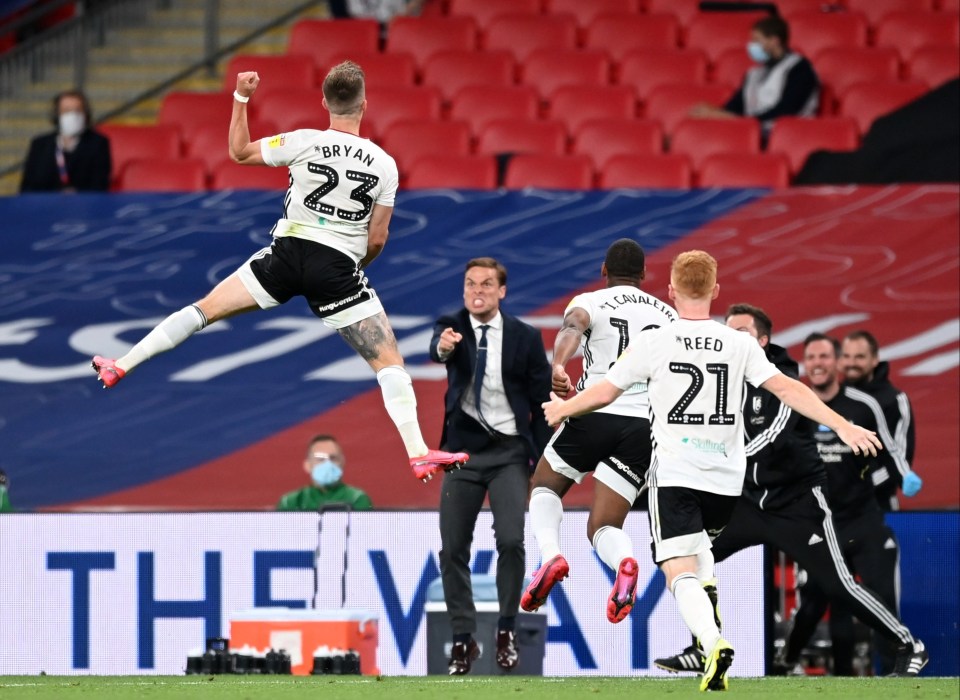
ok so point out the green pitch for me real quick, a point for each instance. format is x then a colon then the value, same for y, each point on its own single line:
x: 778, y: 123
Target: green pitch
x: 469, y: 688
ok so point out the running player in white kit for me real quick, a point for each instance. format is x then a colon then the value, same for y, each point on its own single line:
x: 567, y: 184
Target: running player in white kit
x: 335, y: 222
x: 614, y: 442
x: 695, y: 369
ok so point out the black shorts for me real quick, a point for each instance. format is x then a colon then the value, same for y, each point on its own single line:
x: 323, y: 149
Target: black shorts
x: 684, y: 521
x: 332, y: 283
x: 616, y: 447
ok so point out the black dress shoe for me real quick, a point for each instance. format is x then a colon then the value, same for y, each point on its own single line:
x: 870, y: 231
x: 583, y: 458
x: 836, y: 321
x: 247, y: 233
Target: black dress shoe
x: 507, y: 654
x: 462, y: 656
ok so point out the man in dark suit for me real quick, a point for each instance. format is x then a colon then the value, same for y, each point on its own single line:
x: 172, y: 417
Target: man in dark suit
x: 497, y: 378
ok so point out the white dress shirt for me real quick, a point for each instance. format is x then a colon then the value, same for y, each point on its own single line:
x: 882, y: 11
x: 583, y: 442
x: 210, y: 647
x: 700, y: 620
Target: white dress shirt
x: 493, y: 398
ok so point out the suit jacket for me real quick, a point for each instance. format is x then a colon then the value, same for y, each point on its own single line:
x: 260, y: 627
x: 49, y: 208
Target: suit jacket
x: 526, y: 381
x: 88, y: 166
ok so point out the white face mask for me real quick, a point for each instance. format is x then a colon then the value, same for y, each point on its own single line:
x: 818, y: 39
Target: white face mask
x: 72, y: 123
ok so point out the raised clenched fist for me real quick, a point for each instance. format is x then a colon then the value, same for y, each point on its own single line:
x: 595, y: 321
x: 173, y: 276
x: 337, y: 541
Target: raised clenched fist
x: 247, y: 83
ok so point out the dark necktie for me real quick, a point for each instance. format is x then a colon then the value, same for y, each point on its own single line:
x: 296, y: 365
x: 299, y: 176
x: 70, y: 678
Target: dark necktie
x: 481, y: 368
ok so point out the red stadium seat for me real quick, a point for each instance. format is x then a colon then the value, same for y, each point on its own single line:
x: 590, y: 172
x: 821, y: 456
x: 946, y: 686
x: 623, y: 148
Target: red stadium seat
x: 715, y: 33
x: 744, y: 170
x: 485, y: 11
x: 481, y: 105
x: 602, y: 139
x: 548, y: 69
x: 789, y: 7
x: 163, y: 175
x: 664, y: 171
x: 670, y: 104
x: 326, y: 41
x: 288, y: 108
x: 811, y: 32
x: 451, y: 71
x: 575, y: 104
x: 909, y: 31
x: 514, y: 136
x: 702, y: 138
x: 645, y: 69
x: 279, y: 72
x: 227, y: 175
x: 408, y: 141
x: 184, y: 109
x: 586, y: 12
x: 618, y: 35
x: 208, y: 143
x: 380, y: 69
x: 796, y: 137
x: 550, y: 172
x: 524, y: 34
x: 934, y: 65
x: 867, y: 101
x: 684, y: 10
x: 876, y: 10
x: 949, y: 6
x: 731, y: 66
x: 424, y: 36
x: 129, y: 143
x: 841, y: 67
x: 461, y: 172
x: 386, y: 106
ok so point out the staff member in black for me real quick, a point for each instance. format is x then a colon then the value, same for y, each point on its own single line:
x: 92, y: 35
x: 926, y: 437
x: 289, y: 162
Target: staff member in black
x: 497, y: 378
x: 784, y: 504
x: 869, y: 546
x: 863, y: 370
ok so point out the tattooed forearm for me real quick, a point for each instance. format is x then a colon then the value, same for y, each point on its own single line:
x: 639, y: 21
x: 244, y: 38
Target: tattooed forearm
x: 370, y: 337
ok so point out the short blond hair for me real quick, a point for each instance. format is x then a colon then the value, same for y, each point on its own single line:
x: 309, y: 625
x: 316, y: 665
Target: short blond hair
x: 344, y: 88
x: 694, y: 274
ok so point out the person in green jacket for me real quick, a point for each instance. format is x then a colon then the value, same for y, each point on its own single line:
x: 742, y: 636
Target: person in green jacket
x: 5, y: 506
x: 324, y: 463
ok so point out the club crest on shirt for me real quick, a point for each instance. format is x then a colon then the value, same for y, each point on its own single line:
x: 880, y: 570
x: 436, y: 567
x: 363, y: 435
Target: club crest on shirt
x: 757, y: 403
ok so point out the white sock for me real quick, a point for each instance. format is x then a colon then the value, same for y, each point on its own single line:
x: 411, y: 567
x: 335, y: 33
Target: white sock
x: 696, y: 610
x: 172, y: 331
x: 705, y: 568
x: 546, y: 514
x: 401, y: 404
x: 612, y: 545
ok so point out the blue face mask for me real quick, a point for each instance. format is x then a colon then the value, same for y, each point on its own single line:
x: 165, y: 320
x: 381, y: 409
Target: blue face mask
x: 326, y: 473
x: 756, y: 51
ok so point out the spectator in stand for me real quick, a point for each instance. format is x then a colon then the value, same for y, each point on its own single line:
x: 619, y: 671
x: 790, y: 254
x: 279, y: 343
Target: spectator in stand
x: 74, y: 158
x: 381, y: 10
x: 783, y: 84
x: 324, y: 463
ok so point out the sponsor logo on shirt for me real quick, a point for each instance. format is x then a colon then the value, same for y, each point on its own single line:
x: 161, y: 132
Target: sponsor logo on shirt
x: 277, y: 141
x: 707, y: 446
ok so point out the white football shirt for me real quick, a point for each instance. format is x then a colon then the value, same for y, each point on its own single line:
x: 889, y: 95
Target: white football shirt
x: 695, y: 372
x: 617, y: 315
x: 335, y: 179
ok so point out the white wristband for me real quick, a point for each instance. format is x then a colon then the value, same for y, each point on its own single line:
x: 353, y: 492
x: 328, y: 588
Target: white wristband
x: 240, y: 98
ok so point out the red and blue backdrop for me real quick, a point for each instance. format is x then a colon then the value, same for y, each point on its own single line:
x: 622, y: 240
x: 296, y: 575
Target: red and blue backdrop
x: 222, y: 422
